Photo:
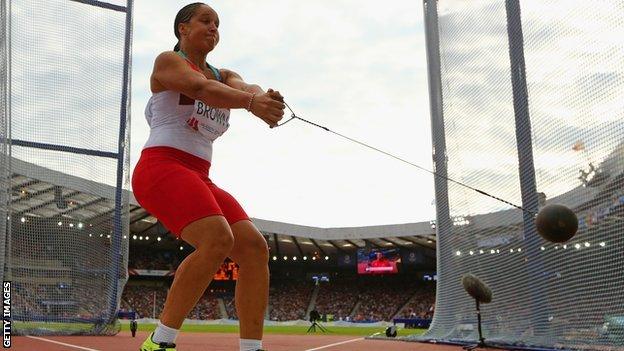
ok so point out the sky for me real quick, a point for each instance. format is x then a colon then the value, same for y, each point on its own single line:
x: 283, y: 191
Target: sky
x: 356, y: 67
x: 572, y: 71
x: 360, y: 69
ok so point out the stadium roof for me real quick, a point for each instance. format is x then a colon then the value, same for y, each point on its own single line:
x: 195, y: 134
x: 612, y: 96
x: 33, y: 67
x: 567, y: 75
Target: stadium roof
x: 41, y: 192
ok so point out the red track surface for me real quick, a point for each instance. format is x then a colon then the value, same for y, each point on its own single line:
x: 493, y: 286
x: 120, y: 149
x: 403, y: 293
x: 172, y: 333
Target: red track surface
x: 222, y: 342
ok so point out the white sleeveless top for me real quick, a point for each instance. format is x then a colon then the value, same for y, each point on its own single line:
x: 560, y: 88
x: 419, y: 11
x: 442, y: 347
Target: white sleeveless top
x: 180, y: 122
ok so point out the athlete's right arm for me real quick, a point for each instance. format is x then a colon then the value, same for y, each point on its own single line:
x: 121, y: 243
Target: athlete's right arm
x: 174, y: 73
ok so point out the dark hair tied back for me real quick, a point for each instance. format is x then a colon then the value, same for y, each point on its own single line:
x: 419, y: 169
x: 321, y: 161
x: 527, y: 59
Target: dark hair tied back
x: 184, y: 15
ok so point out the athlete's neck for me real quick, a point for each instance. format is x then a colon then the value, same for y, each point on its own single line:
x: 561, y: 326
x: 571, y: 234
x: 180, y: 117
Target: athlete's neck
x: 195, y: 57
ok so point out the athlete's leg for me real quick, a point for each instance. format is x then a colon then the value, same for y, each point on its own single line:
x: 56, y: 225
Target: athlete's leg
x: 252, y: 288
x: 213, y: 240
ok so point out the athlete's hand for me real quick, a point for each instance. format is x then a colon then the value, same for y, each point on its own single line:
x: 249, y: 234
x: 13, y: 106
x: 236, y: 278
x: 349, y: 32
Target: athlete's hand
x: 269, y: 107
x: 276, y: 95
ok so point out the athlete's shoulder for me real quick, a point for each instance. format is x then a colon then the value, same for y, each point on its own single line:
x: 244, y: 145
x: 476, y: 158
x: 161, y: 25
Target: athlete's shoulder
x: 169, y: 53
x: 228, y: 73
x: 168, y: 56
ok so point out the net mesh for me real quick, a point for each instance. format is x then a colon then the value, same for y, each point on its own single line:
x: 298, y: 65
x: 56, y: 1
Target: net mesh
x: 569, y: 151
x: 67, y: 163
x: 4, y: 101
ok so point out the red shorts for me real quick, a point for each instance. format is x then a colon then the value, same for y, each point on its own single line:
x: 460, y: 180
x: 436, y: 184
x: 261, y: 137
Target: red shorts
x: 174, y: 187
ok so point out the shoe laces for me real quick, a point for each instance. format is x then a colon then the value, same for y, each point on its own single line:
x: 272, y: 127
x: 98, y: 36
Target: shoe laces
x: 166, y: 345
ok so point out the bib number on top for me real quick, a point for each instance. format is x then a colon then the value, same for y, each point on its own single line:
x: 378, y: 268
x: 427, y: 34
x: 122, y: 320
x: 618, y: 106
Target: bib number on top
x: 209, y: 121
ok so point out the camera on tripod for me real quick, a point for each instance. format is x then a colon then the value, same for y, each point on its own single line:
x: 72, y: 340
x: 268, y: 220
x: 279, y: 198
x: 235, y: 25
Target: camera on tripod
x: 315, y: 317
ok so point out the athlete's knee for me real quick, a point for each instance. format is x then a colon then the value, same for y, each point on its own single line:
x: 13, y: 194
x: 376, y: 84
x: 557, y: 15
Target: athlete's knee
x: 221, y: 243
x: 259, y: 250
x: 210, y: 236
x: 254, y: 252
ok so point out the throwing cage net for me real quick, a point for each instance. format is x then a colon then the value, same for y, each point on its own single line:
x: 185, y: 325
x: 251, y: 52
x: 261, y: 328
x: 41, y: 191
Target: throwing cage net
x: 64, y: 141
x: 527, y: 104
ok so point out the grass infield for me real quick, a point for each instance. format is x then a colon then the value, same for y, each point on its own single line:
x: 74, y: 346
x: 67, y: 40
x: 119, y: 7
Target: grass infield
x: 211, y: 328
x: 285, y: 330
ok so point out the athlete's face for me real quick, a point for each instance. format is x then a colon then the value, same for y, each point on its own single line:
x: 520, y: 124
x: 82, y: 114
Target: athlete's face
x: 202, y: 31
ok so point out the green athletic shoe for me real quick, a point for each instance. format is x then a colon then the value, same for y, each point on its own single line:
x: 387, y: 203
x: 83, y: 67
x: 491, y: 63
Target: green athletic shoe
x: 149, y: 345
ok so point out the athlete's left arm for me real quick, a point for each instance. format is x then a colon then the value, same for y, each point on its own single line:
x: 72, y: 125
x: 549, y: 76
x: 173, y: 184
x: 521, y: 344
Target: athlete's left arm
x: 235, y: 81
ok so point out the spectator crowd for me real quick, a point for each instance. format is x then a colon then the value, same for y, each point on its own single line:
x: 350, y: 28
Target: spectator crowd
x: 348, y: 300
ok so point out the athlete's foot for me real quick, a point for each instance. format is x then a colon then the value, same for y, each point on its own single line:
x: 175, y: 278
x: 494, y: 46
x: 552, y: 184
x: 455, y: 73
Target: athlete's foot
x: 149, y: 345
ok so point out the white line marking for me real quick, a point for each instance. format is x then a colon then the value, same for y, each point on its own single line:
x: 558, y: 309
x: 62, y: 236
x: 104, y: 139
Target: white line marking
x: 62, y: 343
x: 335, y: 344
